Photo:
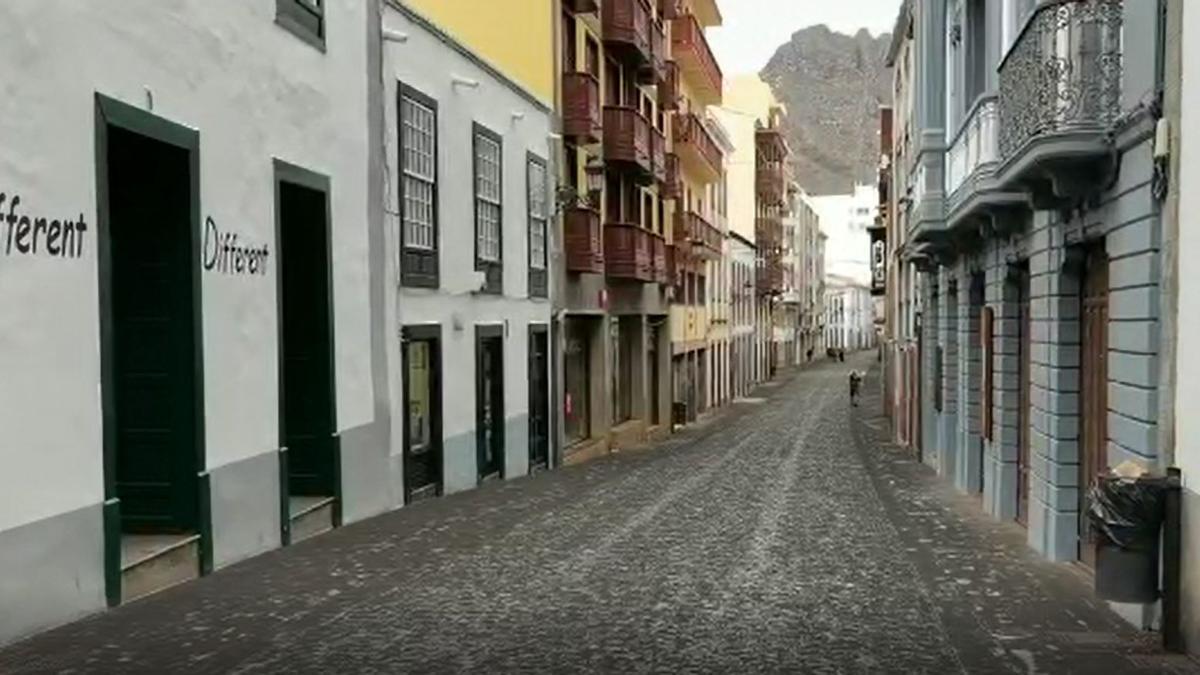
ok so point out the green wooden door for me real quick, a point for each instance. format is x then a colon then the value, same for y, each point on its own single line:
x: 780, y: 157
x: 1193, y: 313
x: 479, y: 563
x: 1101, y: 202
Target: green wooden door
x: 153, y: 332
x: 489, y: 400
x: 306, y: 375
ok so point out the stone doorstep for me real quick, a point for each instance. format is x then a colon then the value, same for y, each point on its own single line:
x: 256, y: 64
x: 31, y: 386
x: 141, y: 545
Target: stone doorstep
x: 585, y: 451
x: 153, y: 562
x: 309, y: 516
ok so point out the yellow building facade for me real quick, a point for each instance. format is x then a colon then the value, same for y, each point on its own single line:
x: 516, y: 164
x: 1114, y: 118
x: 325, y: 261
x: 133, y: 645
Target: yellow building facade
x: 517, y: 37
x: 696, y: 84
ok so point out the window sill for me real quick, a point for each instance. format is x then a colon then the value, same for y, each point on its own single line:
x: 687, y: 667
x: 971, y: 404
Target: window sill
x: 295, y: 28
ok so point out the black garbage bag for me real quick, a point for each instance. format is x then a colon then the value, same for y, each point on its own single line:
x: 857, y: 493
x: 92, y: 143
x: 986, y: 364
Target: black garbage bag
x: 1128, y: 512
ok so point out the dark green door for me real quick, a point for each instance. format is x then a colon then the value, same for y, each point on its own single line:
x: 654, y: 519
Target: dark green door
x: 539, y: 398
x: 489, y: 401
x: 306, y: 369
x: 153, y: 342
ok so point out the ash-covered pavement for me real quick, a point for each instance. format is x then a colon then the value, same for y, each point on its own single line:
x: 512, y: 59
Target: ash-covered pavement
x: 782, y: 534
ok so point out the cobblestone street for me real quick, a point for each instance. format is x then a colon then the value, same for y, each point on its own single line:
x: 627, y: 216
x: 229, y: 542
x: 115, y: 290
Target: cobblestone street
x: 779, y: 535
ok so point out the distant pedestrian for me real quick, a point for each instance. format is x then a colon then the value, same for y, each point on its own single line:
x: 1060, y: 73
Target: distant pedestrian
x: 842, y: 355
x: 855, y: 384
x: 810, y: 354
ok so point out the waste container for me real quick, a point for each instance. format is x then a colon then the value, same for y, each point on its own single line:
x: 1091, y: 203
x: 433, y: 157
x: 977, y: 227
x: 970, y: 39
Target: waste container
x: 1126, y: 515
x: 679, y: 413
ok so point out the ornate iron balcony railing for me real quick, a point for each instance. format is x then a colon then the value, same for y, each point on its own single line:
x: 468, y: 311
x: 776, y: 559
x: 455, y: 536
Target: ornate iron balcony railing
x: 1063, y: 74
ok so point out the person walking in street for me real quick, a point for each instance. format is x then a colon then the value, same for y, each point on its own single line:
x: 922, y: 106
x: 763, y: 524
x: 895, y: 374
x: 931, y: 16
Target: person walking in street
x: 855, y: 385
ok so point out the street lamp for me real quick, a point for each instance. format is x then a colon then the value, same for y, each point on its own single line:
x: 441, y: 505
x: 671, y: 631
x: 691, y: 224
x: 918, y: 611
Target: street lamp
x: 568, y: 197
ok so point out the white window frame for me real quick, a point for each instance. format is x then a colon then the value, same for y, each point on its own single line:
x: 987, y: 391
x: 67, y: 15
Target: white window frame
x: 537, y: 176
x: 489, y: 196
x: 418, y: 124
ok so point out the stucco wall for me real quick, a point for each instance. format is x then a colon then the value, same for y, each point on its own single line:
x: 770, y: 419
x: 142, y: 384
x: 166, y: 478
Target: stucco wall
x: 289, y: 101
x: 1187, y: 379
x: 427, y: 64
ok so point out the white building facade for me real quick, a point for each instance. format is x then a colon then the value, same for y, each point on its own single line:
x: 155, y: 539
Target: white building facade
x: 190, y: 351
x: 849, y: 314
x: 469, y: 201
x: 742, y: 373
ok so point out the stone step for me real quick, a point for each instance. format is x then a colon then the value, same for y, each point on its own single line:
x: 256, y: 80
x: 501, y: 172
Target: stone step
x: 152, y: 562
x: 310, y: 516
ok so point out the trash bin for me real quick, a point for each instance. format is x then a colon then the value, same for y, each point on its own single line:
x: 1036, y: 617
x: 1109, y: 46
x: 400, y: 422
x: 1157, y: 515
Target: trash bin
x: 679, y: 413
x: 1126, y: 515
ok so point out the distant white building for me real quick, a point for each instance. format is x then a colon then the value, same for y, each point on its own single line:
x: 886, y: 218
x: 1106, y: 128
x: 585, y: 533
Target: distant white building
x: 845, y: 219
x: 849, y: 314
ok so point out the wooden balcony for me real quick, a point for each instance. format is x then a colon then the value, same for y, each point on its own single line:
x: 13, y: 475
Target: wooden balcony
x: 582, y: 6
x: 705, y: 239
x: 627, y: 140
x: 655, y: 69
x: 768, y: 233
x: 770, y: 143
x: 626, y: 26
x: 770, y: 183
x: 662, y: 272
x: 629, y: 252
x: 698, y: 152
x: 668, y: 87
x: 584, y: 241
x: 690, y: 49
x: 672, y: 186
x: 769, y: 277
x: 658, y: 155
x: 583, y: 117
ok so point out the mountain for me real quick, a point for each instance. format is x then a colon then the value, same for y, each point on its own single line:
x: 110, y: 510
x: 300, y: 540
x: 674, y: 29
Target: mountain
x: 833, y: 85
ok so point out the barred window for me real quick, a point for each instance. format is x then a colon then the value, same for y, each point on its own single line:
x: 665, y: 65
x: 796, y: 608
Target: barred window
x: 488, y: 203
x: 537, y: 213
x: 419, y: 125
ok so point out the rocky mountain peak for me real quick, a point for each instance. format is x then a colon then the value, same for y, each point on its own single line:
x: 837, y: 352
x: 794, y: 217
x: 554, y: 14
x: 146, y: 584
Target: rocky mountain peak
x: 833, y: 85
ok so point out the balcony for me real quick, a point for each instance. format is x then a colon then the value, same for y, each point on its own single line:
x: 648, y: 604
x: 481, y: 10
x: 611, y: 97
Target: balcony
x: 698, y: 152
x: 692, y: 228
x: 768, y: 234
x: 1060, y: 93
x: 696, y: 61
x: 583, y: 119
x: 629, y: 252
x: 654, y: 70
x: 668, y: 87
x: 626, y: 26
x: 584, y: 241
x: 582, y: 6
x: 627, y: 140
x: 970, y: 179
x: 662, y: 271
x: 769, y: 276
x: 770, y: 183
x: 658, y: 155
x: 672, y: 187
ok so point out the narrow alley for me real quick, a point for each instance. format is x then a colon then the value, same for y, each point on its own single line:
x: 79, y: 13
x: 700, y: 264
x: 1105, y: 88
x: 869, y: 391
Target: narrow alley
x: 780, y: 535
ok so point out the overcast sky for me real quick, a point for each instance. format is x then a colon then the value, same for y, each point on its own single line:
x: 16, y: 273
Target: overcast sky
x: 753, y: 29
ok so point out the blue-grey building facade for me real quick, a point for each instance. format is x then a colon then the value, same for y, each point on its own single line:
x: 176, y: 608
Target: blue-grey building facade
x: 1030, y: 199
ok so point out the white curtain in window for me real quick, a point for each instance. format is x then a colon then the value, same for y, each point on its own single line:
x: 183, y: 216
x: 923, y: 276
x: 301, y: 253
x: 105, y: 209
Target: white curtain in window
x: 487, y: 198
x: 537, y: 215
x: 419, y: 172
